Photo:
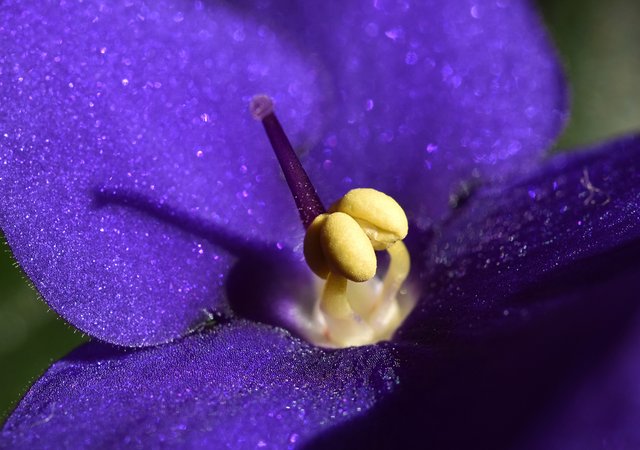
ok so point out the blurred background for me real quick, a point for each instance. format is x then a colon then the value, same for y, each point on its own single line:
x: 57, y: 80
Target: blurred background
x: 599, y: 43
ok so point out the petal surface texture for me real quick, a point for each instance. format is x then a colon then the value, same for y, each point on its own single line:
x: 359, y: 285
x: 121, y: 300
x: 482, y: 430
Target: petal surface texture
x: 603, y: 411
x: 128, y: 150
x: 486, y: 353
x: 244, y: 386
x: 132, y: 175
x: 424, y: 94
x: 508, y: 240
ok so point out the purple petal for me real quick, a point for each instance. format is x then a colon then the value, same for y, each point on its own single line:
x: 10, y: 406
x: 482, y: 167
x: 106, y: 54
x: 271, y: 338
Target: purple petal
x: 505, y: 242
x: 130, y: 168
x: 425, y: 94
x: 243, y: 386
x: 601, y: 412
x: 128, y: 155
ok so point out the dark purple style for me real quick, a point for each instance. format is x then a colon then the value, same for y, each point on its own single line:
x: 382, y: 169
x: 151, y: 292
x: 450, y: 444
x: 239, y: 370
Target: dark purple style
x: 303, y: 191
x: 144, y: 203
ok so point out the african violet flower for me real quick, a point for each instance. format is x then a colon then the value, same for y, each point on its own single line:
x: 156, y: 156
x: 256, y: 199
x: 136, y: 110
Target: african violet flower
x: 142, y: 201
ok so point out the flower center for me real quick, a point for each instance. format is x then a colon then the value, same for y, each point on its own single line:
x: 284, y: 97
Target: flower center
x: 353, y: 306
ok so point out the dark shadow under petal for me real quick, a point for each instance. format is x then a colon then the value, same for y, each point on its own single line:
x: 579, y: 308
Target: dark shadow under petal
x: 602, y: 411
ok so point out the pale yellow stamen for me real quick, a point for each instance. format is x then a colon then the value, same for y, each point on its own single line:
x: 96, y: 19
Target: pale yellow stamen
x: 344, y: 328
x: 339, y: 247
x: 384, y: 312
x: 334, y: 298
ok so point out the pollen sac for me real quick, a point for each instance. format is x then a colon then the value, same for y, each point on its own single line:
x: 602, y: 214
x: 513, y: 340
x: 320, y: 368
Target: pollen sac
x: 336, y: 243
x: 347, y: 248
x: 313, y: 253
x: 380, y: 216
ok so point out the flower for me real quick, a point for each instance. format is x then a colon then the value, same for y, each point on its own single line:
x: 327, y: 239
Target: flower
x: 142, y: 202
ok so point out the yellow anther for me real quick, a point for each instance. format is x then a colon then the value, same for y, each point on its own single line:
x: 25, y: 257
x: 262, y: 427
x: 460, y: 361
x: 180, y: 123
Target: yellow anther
x: 380, y: 216
x: 347, y: 248
x: 313, y: 253
x: 340, y: 246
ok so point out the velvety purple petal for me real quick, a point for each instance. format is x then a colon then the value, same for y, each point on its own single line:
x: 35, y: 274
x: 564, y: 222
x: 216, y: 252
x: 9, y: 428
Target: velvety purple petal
x: 243, y: 386
x: 423, y: 94
x: 504, y: 242
x: 601, y: 412
x: 130, y: 167
x: 131, y: 170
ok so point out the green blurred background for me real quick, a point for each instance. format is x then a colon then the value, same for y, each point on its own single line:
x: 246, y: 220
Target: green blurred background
x: 599, y: 42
